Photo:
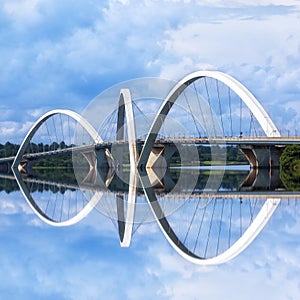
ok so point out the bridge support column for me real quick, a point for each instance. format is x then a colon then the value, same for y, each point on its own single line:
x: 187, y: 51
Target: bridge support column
x: 5, y: 167
x: 275, y: 153
x: 262, y: 156
x: 160, y: 156
x: 262, y: 180
x: 100, y: 163
x: 25, y: 167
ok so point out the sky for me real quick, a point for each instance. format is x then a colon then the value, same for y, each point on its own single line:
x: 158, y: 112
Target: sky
x: 57, y: 54
x: 62, y: 54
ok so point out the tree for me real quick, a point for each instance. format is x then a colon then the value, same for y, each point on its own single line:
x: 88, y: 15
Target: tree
x: 290, y: 167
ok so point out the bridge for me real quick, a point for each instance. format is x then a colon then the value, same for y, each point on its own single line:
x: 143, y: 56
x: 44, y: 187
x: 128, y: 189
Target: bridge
x: 261, y: 152
x: 206, y: 113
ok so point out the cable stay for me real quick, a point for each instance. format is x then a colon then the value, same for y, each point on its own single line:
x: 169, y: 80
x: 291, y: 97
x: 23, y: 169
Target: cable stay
x: 241, y: 118
x: 199, y: 230
x: 230, y: 112
x: 210, y: 107
x: 62, y: 131
x: 200, y: 107
x: 210, y: 226
x: 190, y: 111
x: 220, y: 226
x: 192, y: 220
x: 54, y: 126
x: 241, y: 219
x: 220, y: 107
x: 143, y: 114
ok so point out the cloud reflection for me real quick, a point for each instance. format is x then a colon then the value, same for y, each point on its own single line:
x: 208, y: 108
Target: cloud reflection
x: 86, y: 261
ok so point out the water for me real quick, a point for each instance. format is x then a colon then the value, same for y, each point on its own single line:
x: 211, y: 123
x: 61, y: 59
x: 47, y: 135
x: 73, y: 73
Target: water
x: 84, y: 259
x: 227, y: 167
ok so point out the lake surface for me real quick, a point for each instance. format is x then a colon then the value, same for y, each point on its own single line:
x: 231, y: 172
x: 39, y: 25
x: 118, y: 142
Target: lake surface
x: 85, y: 260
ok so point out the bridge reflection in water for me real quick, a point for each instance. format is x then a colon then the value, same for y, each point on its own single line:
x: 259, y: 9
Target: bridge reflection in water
x: 204, y: 226
x: 129, y: 165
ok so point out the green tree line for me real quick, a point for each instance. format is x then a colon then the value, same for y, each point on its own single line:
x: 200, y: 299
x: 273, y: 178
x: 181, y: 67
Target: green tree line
x: 290, y: 167
x: 8, y: 149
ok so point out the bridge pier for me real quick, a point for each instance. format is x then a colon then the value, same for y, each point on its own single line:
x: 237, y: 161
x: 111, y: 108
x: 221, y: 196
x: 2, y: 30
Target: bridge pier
x: 260, y: 156
x: 25, y: 167
x: 262, y: 179
x: 100, y: 162
x: 160, y: 156
x: 5, y: 167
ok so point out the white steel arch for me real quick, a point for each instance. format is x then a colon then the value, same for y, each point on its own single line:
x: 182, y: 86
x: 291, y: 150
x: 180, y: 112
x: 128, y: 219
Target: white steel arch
x: 125, y: 107
x: 97, y: 139
x: 45, y: 218
x: 241, y: 244
x: 247, y: 97
x: 268, y: 127
x: 84, y: 123
x: 126, y: 101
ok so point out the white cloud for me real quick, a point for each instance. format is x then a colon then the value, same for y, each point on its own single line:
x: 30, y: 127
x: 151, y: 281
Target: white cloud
x: 23, y: 13
x: 237, y: 3
x: 54, y: 54
x: 12, y: 207
x: 35, y: 113
x: 13, y: 131
x: 272, y: 259
x: 261, y: 53
x: 64, y: 57
x: 232, y: 42
x: 150, y: 267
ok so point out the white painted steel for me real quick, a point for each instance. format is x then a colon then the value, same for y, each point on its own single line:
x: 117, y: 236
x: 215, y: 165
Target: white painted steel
x: 84, y: 123
x: 126, y: 100
x: 268, y: 127
x: 247, y: 97
x: 93, y: 133
x: 125, y: 97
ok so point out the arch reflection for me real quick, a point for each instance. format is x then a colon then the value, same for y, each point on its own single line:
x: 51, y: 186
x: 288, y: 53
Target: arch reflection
x: 204, y: 227
x: 174, y: 171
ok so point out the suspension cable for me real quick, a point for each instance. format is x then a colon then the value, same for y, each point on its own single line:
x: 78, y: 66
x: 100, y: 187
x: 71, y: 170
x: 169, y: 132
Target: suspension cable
x: 50, y: 193
x: 210, y: 226
x: 103, y: 128
x: 241, y: 117
x: 230, y: 111
x: 220, y: 226
x: 138, y: 108
x: 241, y: 221
x: 55, y: 129
x: 50, y: 140
x: 62, y: 205
x: 69, y: 131
x: 55, y: 202
x: 62, y: 128
x: 210, y: 108
x: 192, y: 220
x: 200, y: 107
x: 220, y: 107
x: 190, y: 110
x: 200, y: 227
x: 230, y: 220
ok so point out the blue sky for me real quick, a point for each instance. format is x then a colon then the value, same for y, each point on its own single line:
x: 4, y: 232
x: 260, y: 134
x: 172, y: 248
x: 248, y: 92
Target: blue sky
x: 61, y: 54
x: 57, y: 54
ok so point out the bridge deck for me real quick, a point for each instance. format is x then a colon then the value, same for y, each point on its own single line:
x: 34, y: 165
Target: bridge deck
x: 268, y: 141
x: 262, y: 141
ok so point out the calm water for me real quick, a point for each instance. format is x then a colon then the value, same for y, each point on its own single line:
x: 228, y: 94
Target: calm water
x: 85, y: 259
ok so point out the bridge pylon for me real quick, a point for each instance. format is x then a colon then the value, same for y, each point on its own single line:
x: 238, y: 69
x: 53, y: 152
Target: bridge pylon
x: 260, y: 156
